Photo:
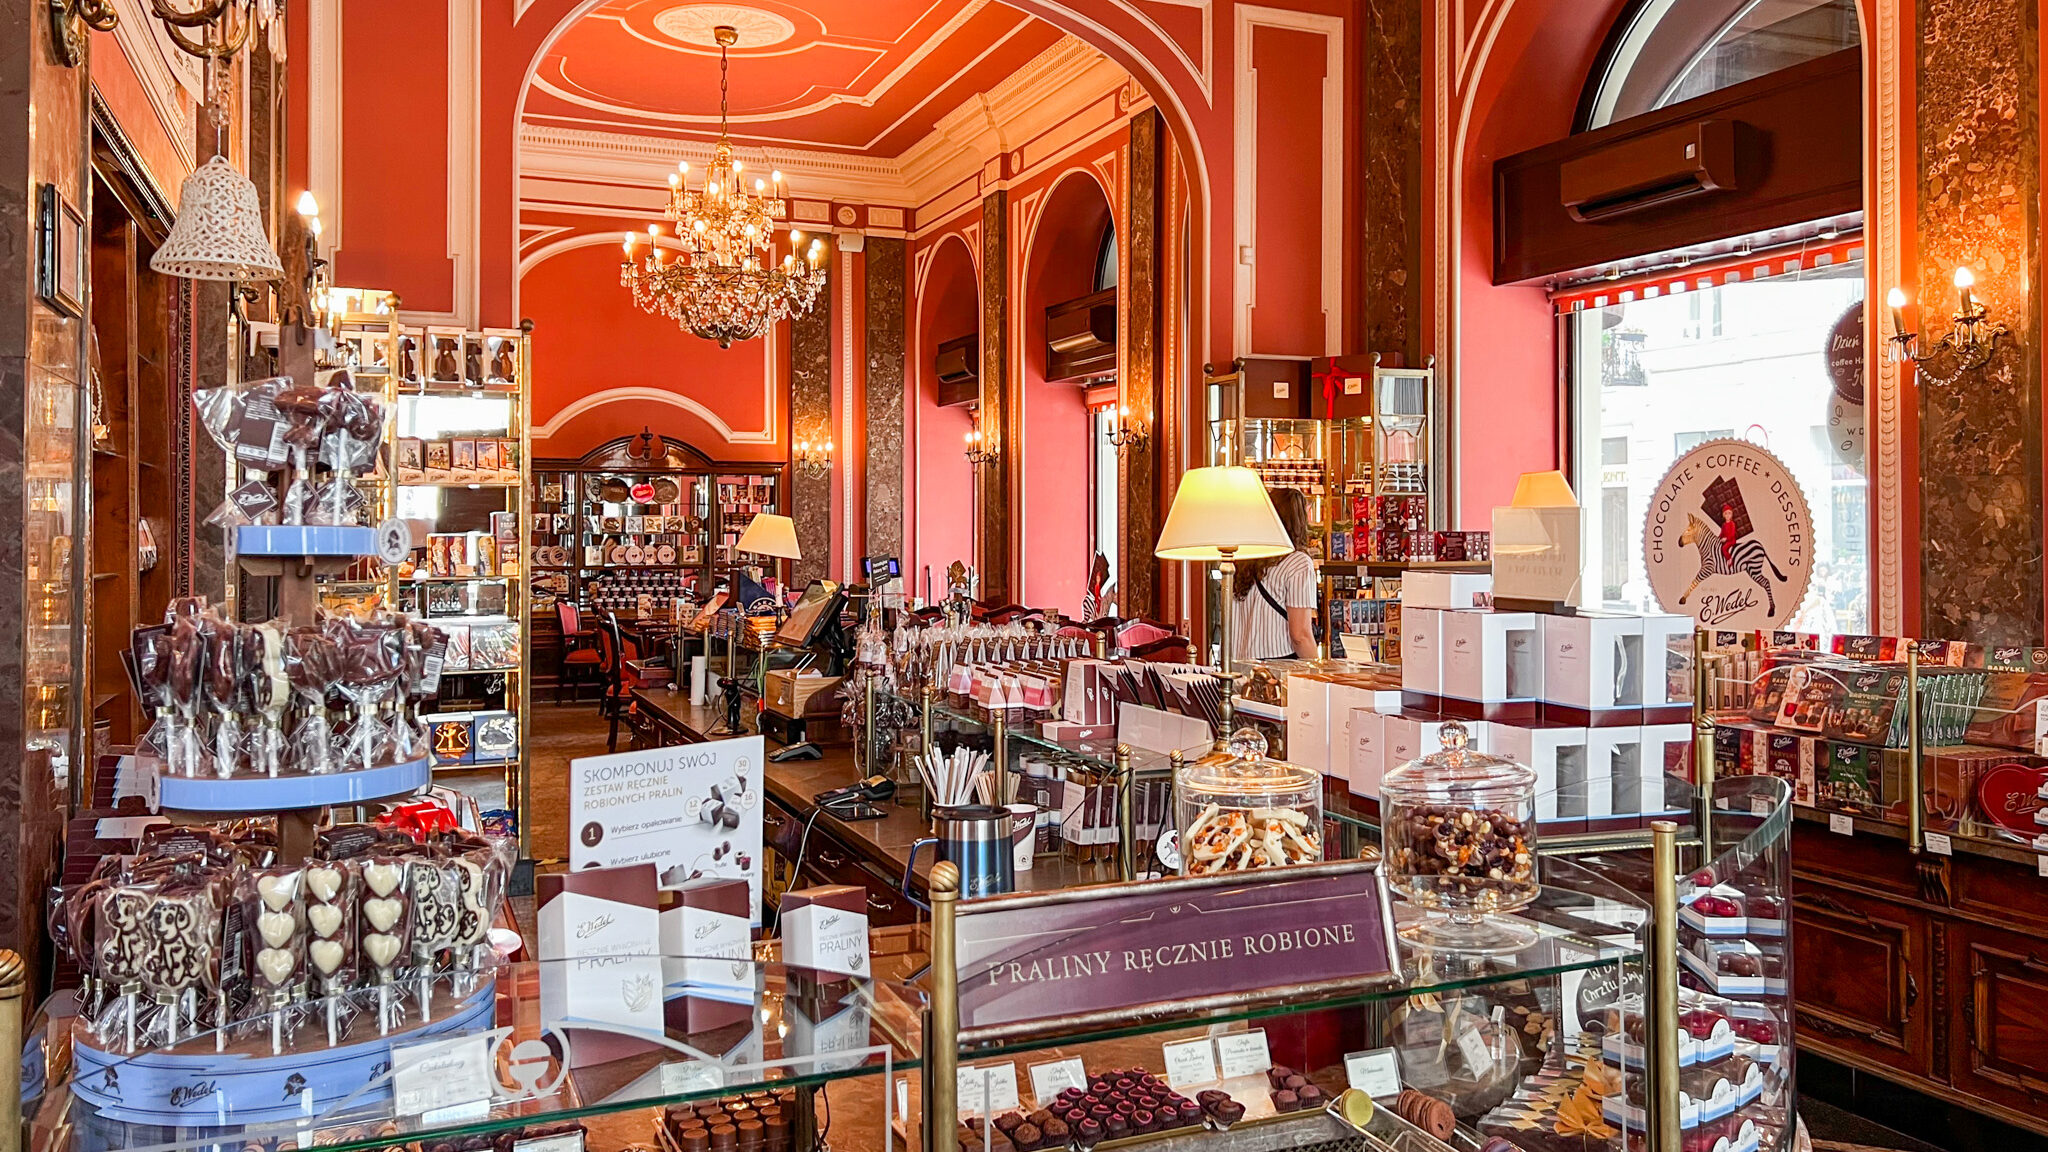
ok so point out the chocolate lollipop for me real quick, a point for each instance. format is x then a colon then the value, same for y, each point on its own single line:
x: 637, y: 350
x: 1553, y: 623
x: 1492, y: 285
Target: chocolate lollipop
x: 311, y: 664
x: 270, y: 692
x: 188, y: 692
x: 184, y: 955
x: 436, y: 908
x: 120, y: 947
x: 332, y: 889
x: 225, y: 687
x: 273, y: 900
x: 386, y: 924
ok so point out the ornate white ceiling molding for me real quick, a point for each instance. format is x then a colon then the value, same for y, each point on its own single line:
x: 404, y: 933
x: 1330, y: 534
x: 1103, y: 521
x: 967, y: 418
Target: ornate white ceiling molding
x: 1057, y: 84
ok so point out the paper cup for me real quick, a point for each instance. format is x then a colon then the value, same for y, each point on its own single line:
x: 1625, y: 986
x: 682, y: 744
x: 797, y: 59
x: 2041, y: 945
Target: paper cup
x: 1023, y: 836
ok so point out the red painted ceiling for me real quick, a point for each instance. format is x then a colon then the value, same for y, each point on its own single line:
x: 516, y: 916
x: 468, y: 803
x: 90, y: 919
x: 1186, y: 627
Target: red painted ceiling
x: 867, y: 76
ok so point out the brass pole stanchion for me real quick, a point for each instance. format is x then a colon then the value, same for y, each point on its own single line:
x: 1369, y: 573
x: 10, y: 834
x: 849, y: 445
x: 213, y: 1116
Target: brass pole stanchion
x: 1000, y: 733
x: 13, y: 988
x: 867, y: 743
x: 1916, y: 821
x: 1126, y: 814
x: 1703, y: 736
x: 1663, y: 974
x: 942, y: 1014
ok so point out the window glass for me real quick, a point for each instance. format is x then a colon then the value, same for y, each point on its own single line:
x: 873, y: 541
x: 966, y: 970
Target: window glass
x: 1650, y: 382
x: 1674, y: 50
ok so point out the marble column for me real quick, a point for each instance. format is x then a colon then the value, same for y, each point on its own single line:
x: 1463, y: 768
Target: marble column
x: 885, y: 291
x: 1979, y: 173
x: 810, y: 415
x: 1145, y: 384
x: 45, y: 531
x: 1391, y: 173
x: 999, y: 409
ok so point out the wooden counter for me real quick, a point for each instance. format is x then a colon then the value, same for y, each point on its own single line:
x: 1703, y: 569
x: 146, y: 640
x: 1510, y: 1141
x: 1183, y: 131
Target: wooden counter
x: 869, y: 853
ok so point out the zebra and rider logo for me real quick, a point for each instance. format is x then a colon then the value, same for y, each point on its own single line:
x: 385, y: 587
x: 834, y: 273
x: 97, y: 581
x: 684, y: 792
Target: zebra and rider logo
x: 1728, y: 539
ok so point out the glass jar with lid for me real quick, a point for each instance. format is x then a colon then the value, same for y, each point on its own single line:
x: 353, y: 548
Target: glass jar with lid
x: 1239, y: 810
x: 1458, y: 835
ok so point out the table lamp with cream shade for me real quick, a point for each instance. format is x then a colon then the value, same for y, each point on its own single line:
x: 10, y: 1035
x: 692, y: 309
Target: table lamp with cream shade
x: 1222, y: 514
x: 768, y: 534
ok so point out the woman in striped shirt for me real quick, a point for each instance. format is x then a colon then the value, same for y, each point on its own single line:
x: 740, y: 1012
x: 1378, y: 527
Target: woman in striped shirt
x: 1276, y: 597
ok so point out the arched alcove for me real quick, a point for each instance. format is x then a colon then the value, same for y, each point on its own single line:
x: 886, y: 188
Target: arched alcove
x: 948, y: 297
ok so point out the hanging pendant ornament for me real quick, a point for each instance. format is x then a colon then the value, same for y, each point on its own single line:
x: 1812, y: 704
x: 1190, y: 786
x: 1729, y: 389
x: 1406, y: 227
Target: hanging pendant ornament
x: 218, y: 234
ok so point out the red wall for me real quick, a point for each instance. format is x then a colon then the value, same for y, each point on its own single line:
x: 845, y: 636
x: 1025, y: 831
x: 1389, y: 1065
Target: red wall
x: 941, y: 484
x: 1286, y: 301
x: 589, y: 339
x: 394, y: 156
x: 1055, y: 453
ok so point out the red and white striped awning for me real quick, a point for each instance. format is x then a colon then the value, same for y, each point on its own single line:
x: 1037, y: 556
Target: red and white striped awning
x: 1709, y: 274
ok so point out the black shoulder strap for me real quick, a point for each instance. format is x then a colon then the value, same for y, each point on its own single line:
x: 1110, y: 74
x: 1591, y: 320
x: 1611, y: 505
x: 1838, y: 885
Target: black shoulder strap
x: 1259, y: 582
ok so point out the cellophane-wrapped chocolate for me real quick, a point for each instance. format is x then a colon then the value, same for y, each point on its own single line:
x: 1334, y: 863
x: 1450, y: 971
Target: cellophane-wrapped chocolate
x: 224, y: 685
x: 121, y: 947
x: 312, y: 663
x: 436, y: 907
x: 270, y: 693
x: 372, y: 657
x: 333, y: 889
x: 273, y: 901
x: 187, y: 684
x: 384, y: 916
x: 181, y: 970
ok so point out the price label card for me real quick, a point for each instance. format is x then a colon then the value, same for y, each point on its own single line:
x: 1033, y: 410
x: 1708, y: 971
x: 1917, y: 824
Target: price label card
x: 1243, y: 1054
x: 1376, y: 1073
x: 691, y: 1076
x: 903, y: 1095
x: 1840, y: 824
x: 566, y: 1142
x: 1189, y: 1063
x: 1056, y: 1076
x: 2041, y: 865
x: 1758, y: 806
x: 1938, y: 844
x: 1472, y: 1046
x: 444, y: 1079
x: 986, y: 1089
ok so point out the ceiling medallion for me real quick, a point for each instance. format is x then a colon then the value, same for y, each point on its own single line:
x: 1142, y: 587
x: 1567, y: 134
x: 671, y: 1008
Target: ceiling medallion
x: 724, y: 283
x: 698, y: 24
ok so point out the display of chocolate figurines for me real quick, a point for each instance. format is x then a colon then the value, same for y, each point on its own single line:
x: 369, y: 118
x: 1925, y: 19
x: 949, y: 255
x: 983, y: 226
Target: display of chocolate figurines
x: 239, y: 700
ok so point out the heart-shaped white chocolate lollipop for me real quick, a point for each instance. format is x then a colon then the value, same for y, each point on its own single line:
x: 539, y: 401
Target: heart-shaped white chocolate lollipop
x: 276, y: 891
x: 276, y: 965
x: 327, y: 955
x: 381, y: 949
x: 383, y: 879
x: 276, y: 928
x: 325, y: 919
x: 324, y: 883
x: 382, y: 914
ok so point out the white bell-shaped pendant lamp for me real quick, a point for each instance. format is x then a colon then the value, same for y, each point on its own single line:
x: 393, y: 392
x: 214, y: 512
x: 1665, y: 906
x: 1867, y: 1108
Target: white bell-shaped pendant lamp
x: 219, y: 231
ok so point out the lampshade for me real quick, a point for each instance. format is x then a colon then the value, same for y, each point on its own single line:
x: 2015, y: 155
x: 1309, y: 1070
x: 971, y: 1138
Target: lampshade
x: 1222, y: 514
x: 219, y: 231
x: 771, y: 535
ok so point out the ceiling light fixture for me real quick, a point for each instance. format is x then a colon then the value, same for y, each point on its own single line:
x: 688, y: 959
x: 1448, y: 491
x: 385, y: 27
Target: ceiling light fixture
x: 724, y: 283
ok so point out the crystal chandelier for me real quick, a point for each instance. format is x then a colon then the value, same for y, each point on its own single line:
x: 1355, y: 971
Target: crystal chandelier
x: 723, y: 283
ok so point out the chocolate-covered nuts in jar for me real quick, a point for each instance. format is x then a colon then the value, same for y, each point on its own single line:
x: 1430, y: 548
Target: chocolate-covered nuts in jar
x: 1459, y: 841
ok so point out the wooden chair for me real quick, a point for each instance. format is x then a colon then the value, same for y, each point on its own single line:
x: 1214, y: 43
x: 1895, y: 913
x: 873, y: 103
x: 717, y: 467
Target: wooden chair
x: 581, y: 662
x: 614, y: 653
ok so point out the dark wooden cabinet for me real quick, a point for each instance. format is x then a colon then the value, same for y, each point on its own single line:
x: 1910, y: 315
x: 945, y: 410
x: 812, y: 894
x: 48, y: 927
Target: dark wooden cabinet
x: 1860, y: 972
x: 1929, y: 971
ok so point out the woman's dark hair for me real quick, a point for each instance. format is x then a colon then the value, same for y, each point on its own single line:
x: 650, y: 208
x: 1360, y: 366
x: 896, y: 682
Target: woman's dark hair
x: 1293, y: 509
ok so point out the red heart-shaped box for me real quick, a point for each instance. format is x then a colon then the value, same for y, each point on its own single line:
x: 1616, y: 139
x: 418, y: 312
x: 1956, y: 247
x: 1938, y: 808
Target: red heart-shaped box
x: 2009, y: 794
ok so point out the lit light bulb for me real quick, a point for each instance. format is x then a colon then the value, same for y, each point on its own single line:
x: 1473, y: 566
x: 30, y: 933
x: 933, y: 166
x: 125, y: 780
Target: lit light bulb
x: 674, y: 180
x: 1965, y: 278
x: 760, y: 185
x: 776, y: 176
x: 711, y: 189
x: 700, y: 225
x: 1896, y: 301
x: 683, y: 166
x: 1896, y: 298
x: 313, y: 226
x: 308, y: 206
x: 737, y: 166
x: 796, y: 236
x: 654, y: 229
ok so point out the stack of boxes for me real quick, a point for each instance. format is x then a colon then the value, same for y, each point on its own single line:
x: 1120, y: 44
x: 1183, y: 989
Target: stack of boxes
x: 1598, y: 705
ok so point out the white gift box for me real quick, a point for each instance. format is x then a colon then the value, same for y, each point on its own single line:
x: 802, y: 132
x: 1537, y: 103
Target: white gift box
x: 1593, y: 662
x: 1346, y: 701
x: 1557, y: 754
x: 1368, y: 763
x: 1426, y: 589
x: 1614, y: 758
x: 1421, y: 651
x: 1308, y: 722
x: 1667, y: 668
x: 1492, y: 657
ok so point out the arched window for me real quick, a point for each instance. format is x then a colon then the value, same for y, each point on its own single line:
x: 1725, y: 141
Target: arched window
x: 1105, y: 260
x: 1665, y: 51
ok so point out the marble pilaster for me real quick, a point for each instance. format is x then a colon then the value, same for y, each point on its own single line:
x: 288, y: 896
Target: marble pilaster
x: 998, y: 404
x: 1980, y: 432
x: 886, y: 293
x: 810, y: 414
x: 1144, y: 383
x: 1391, y: 175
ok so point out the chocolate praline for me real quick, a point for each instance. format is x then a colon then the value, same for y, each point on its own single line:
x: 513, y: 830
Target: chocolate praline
x: 1009, y: 1122
x: 1056, y: 1131
x: 1027, y: 1137
x: 1116, y: 1126
x: 1145, y: 1121
x: 1310, y: 1096
x: 1076, y: 1115
x: 1090, y: 1133
x: 1228, y: 1112
x: 1295, y: 1083
x: 1285, y: 1100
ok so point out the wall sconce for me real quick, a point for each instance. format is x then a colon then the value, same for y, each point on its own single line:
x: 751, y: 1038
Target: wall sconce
x: 813, y: 458
x: 1126, y: 434
x: 979, y: 449
x: 318, y: 302
x: 1969, y: 340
